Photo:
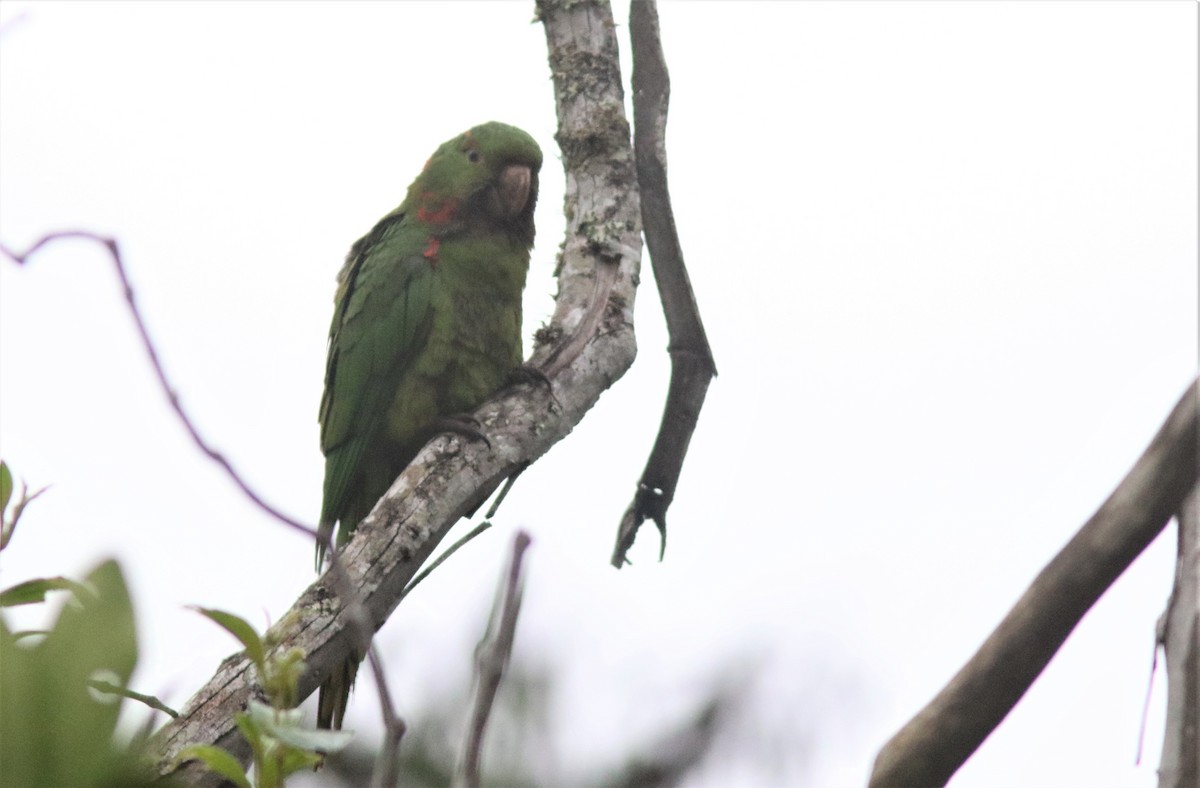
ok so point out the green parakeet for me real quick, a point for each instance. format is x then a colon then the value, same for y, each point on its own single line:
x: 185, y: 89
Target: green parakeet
x: 426, y: 325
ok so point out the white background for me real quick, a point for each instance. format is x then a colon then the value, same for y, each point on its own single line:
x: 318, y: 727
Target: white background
x: 945, y: 253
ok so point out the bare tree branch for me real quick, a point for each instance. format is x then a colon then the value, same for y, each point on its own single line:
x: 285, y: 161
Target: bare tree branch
x: 361, y: 627
x: 452, y: 476
x: 1179, y: 766
x: 692, y: 365
x: 603, y: 246
x: 114, y: 254
x: 491, y: 659
x: 679, y: 752
x: 936, y: 742
x: 386, y: 773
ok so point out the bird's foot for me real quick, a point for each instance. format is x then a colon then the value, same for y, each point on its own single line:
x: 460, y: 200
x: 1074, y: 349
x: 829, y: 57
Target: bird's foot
x: 534, y: 376
x: 462, y: 424
x: 528, y: 373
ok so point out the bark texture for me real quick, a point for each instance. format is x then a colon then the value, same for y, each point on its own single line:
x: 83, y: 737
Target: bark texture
x: 1179, y: 766
x: 935, y: 743
x: 588, y: 345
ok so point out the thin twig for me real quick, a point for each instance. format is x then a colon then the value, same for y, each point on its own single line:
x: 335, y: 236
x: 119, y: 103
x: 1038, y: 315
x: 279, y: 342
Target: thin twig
x: 508, y: 485
x: 1158, y: 641
x: 692, y: 365
x: 474, y: 532
x: 386, y: 773
x: 360, y: 622
x: 491, y: 658
x: 169, y: 390
x: 124, y: 692
x: 939, y: 739
x: 8, y: 527
x: 1179, y: 764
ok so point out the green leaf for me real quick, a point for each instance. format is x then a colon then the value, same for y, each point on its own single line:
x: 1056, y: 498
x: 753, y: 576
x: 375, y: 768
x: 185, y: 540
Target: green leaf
x: 283, y: 677
x: 286, y: 725
x: 52, y: 730
x: 240, y: 629
x: 6, y: 487
x: 251, y: 734
x: 216, y: 760
x: 32, y: 591
x: 292, y: 761
x: 265, y: 773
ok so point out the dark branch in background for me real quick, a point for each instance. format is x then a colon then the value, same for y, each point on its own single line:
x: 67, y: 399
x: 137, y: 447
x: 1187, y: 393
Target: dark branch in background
x: 679, y: 752
x: 451, y: 476
x: 491, y: 659
x: 935, y: 743
x: 360, y: 624
x: 692, y: 366
x: 1179, y: 766
x: 172, y: 396
x: 674, y: 758
x: 386, y: 773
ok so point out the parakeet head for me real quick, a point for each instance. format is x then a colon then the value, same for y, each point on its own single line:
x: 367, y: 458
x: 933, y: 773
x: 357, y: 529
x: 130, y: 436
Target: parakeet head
x: 486, y: 175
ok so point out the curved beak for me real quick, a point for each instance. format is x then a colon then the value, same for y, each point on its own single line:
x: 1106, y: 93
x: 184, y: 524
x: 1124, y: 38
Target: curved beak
x: 511, y: 192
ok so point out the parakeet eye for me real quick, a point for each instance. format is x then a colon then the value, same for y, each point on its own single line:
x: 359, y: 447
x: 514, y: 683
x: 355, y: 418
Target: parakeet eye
x: 473, y: 156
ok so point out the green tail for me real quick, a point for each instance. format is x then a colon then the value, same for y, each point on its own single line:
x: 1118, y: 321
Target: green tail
x: 426, y: 324
x: 335, y: 695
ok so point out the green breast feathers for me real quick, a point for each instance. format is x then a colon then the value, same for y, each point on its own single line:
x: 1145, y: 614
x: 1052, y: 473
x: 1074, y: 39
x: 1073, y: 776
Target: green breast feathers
x: 427, y: 317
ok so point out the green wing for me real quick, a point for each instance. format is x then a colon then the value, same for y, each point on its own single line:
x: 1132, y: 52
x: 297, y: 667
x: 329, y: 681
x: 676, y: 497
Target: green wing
x: 381, y: 321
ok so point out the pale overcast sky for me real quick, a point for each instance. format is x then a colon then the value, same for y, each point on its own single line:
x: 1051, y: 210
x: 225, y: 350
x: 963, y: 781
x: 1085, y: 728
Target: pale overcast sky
x: 945, y: 252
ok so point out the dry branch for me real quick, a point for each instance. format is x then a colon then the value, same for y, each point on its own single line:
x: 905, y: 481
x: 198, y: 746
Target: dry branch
x: 1179, y: 766
x: 386, y: 773
x: 360, y: 624
x: 114, y: 254
x: 491, y: 660
x: 691, y: 360
x: 692, y: 365
x: 935, y: 743
x: 451, y: 476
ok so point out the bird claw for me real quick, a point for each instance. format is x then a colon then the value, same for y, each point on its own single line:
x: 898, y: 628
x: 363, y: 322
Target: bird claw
x: 534, y: 376
x: 528, y: 373
x: 463, y: 424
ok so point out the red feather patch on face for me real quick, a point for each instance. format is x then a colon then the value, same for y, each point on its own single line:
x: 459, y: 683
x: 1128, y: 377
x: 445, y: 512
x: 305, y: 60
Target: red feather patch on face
x: 443, y: 213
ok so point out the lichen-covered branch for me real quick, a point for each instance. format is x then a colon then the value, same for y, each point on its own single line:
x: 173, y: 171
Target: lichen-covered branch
x: 936, y: 742
x: 452, y: 476
x: 601, y: 253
